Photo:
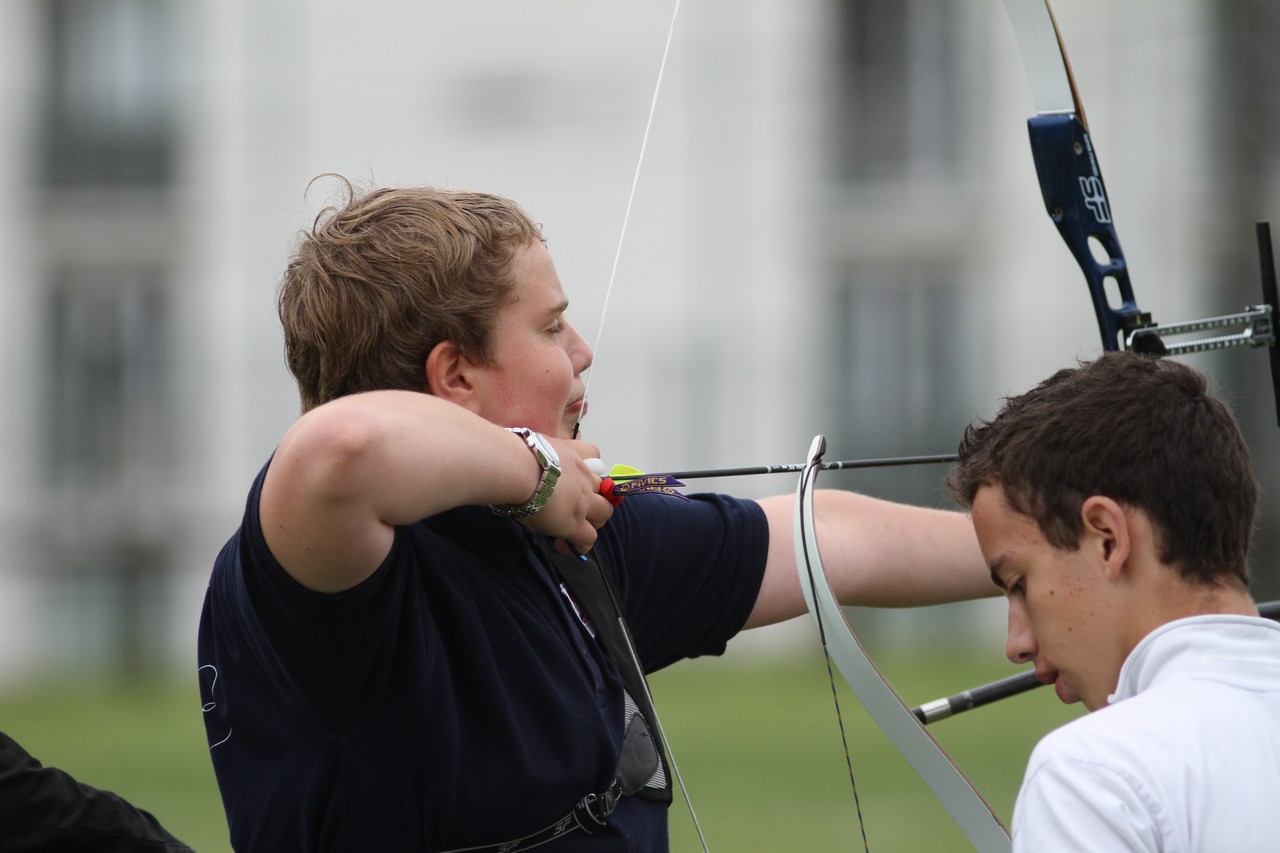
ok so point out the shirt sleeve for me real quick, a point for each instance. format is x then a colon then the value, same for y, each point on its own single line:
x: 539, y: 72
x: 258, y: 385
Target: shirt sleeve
x: 688, y: 571
x: 42, y: 808
x: 1070, y: 804
x: 311, y: 652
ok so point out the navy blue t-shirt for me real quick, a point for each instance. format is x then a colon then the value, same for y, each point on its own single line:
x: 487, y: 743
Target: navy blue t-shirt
x: 453, y: 698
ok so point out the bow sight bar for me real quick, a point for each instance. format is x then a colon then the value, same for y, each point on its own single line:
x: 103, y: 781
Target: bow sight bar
x: 1254, y: 327
x: 1076, y: 200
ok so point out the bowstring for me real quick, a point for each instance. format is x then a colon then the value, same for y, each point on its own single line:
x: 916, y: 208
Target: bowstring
x: 807, y: 482
x: 631, y: 197
x: 595, y: 349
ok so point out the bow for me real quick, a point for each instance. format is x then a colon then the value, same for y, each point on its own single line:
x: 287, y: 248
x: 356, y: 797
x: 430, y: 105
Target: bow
x: 1076, y: 199
x: 953, y: 789
x: 1072, y: 185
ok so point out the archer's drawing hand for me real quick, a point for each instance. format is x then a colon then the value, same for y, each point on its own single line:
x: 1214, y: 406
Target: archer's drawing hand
x: 576, y: 509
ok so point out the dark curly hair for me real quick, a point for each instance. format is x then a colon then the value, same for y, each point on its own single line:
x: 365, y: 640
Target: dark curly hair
x: 1142, y: 431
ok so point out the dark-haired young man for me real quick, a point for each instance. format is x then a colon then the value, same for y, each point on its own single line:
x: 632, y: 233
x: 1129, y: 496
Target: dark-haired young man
x: 1114, y: 504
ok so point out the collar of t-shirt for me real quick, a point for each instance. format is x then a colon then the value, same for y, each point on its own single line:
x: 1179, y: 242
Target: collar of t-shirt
x: 1241, y: 650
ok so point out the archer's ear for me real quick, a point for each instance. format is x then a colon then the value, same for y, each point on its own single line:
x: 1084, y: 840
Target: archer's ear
x: 1107, y: 533
x: 447, y: 372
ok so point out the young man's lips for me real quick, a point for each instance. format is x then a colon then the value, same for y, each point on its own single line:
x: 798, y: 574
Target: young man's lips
x: 579, y: 407
x: 1051, y: 676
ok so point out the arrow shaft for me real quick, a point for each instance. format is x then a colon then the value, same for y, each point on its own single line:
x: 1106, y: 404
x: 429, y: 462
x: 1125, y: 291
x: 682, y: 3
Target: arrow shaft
x: 796, y: 467
x: 976, y: 697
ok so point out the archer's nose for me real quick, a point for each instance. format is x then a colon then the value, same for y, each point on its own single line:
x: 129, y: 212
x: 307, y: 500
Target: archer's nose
x: 580, y: 355
x: 1020, y: 641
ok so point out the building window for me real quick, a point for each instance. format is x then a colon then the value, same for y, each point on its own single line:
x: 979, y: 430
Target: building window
x: 901, y: 375
x: 108, y: 382
x: 898, y: 101
x: 109, y: 96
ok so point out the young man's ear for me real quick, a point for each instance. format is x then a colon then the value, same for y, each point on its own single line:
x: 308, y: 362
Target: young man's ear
x: 448, y: 373
x: 1107, y: 533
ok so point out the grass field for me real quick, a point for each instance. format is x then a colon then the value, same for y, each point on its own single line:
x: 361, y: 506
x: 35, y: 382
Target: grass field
x: 760, y: 752
x: 755, y: 740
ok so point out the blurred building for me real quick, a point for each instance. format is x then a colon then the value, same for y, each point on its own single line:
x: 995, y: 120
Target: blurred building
x: 836, y: 229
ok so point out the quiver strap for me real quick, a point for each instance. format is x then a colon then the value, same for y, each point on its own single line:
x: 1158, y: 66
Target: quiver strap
x: 590, y: 584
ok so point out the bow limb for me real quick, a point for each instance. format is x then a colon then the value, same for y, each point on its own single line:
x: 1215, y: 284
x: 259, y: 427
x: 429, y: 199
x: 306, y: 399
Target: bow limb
x: 953, y: 789
x: 1070, y: 178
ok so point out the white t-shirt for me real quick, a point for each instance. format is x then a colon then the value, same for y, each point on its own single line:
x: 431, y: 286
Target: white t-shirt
x: 1185, y: 756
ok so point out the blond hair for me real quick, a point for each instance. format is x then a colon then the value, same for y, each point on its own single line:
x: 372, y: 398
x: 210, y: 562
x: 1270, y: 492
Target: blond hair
x: 379, y: 281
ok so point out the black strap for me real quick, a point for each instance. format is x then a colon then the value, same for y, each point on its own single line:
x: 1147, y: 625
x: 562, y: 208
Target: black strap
x: 589, y: 814
x: 594, y: 593
x: 590, y: 583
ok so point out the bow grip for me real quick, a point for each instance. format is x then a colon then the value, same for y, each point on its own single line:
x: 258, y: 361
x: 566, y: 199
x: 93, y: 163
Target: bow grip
x: 1076, y: 199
